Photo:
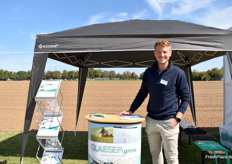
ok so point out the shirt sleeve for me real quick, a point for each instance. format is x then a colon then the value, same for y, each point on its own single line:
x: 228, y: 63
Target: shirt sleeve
x: 141, y: 95
x: 183, y: 92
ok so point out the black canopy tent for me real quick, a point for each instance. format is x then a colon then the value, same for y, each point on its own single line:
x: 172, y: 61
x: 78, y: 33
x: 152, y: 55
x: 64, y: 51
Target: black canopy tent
x: 123, y: 44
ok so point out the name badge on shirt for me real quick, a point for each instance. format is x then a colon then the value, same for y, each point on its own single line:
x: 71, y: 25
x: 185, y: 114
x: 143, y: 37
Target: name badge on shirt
x: 164, y: 82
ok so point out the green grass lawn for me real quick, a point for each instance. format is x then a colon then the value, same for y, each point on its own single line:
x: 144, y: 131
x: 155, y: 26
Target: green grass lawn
x: 76, y: 149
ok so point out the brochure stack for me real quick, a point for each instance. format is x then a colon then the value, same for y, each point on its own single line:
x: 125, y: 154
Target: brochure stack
x: 49, y: 100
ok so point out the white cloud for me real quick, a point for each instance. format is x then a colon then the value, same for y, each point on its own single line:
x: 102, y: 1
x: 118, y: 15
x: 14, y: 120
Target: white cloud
x: 154, y: 4
x: 175, y: 8
x: 189, y: 6
x: 33, y: 36
x: 139, y: 15
x: 96, y: 18
x: 213, y: 13
x: 116, y: 19
x: 220, y: 18
x: 122, y: 14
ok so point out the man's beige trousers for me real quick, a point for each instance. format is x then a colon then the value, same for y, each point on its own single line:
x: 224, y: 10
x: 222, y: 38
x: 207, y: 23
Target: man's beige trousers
x: 160, y: 134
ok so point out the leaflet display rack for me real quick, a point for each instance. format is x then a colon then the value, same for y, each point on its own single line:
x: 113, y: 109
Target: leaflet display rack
x: 49, y: 100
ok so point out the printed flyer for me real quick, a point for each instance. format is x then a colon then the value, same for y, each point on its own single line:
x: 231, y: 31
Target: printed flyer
x: 49, y: 127
x: 48, y: 89
x: 52, y: 157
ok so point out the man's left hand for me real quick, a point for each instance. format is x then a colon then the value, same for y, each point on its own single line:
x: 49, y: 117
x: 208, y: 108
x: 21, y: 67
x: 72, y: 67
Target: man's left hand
x: 174, y: 122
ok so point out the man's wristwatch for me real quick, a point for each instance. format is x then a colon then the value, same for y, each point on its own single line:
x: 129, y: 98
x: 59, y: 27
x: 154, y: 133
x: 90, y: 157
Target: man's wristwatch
x: 178, y: 119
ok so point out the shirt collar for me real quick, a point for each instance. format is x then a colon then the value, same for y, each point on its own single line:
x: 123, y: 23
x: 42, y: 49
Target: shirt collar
x: 155, y: 65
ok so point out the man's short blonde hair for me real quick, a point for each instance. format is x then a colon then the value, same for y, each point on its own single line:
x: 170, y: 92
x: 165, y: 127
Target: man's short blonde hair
x: 163, y: 43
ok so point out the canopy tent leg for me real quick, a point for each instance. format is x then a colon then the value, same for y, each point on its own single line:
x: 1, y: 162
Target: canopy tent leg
x: 192, y: 100
x: 83, y: 72
x: 227, y: 89
x: 229, y: 59
x: 38, y: 66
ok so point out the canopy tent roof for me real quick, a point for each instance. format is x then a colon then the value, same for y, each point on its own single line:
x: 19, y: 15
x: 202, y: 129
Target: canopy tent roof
x: 130, y: 43
x: 123, y: 44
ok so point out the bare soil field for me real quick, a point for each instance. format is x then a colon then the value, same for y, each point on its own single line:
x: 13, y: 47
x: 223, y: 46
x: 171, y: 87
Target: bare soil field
x: 104, y: 97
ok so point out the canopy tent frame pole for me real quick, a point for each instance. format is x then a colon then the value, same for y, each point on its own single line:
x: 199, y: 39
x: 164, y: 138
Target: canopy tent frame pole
x: 229, y: 58
x: 38, y: 66
x: 83, y: 72
x: 227, y: 112
x: 192, y: 100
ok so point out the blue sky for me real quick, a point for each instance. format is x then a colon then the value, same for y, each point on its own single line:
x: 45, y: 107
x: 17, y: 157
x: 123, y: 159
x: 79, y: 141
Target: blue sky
x: 22, y: 20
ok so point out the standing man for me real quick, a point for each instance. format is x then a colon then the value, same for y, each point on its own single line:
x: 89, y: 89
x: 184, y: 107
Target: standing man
x: 169, y: 97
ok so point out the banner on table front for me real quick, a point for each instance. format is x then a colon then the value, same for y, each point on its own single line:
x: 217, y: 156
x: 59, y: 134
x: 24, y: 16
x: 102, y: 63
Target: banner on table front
x: 114, y: 143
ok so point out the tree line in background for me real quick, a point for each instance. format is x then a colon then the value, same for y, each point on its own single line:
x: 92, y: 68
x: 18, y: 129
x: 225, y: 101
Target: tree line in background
x: 98, y: 74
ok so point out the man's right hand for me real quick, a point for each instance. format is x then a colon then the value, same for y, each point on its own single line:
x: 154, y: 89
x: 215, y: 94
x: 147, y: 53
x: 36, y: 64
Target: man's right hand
x: 127, y: 113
